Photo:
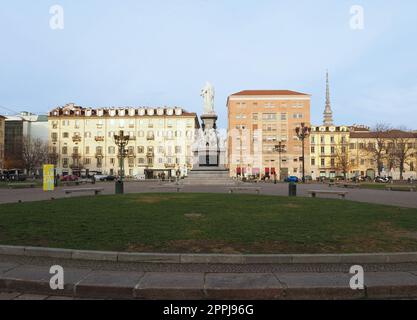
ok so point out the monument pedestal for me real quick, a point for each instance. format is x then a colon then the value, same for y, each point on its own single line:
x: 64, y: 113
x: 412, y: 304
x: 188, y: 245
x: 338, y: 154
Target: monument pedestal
x: 209, y: 156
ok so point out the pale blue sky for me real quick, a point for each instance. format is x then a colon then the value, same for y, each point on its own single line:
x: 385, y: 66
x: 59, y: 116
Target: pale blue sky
x: 134, y: 52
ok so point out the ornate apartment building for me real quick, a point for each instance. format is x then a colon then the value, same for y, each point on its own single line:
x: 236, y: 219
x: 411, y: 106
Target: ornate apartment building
x: 258, y: 121
x: 81, y: 140
x: 2, y: 134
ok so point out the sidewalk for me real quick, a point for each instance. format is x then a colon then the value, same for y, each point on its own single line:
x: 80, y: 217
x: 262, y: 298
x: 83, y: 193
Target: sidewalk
x: 32, y: 282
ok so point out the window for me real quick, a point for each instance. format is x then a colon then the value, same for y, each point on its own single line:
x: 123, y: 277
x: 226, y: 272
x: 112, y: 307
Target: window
x: 54, y: 136
x: 87, y: 161
x: 254, y: 116
x: 64, y: 150
x: 322, y: 139
x: 313, y: 162
x: 313, y: 149
x: 269, y: 116
x: 352, y: 146
x: 65, y: 135
x: 331, y: 139
x: 297, y: 116
x: 283, y: 116
x: 141, y: 149
x: 87, y: 150
x: 323, y: 163
x: 112, y: 150
x: 65, y: 162
x: 322, y: 150
x: 332, y: 162
x: 161, y: 150
x: 332, y: 150
x: 177, y: 149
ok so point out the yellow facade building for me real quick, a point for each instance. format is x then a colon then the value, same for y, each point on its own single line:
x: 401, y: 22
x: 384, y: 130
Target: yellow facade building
x: 81, y: 140
x: 329, y: 151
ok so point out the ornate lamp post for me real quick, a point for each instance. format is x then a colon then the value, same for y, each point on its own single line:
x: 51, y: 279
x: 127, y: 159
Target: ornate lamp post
x: 302, y: 133
x: 121, y: 141
x: 280, y: 148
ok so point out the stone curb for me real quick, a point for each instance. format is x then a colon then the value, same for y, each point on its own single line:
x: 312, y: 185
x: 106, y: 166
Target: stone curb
x: 208, y: 258
x: 219, y: 287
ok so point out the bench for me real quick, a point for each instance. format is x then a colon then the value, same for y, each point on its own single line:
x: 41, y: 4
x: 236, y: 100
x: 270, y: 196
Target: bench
x: 341, y: 194
x: 176, y: 187
x: 95, y: 190
x: 21, y: 185
x: 400, y: 188
x: 258, y: 190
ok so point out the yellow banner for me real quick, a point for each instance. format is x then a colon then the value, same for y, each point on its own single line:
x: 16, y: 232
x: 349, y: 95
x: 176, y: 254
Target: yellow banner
x: 48, y: 177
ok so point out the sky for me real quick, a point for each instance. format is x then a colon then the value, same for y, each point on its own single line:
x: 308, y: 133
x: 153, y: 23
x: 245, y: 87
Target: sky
x: 162, y: 52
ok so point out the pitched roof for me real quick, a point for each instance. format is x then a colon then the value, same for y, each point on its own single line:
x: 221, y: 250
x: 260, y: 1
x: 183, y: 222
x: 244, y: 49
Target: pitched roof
x: 269, y: 93
x: 383, y: 135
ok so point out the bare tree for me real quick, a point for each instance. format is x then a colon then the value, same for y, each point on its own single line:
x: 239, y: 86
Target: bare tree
x: 378, y: 149
x: 342, y: 163
x: 401, y: 149
x: 34, y: 154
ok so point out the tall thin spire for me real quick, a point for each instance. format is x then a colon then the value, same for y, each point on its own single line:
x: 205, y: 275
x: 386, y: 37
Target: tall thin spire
x: 328, y: 113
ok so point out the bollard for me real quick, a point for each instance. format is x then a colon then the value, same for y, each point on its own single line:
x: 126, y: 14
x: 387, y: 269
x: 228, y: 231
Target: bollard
x: 292, y: 189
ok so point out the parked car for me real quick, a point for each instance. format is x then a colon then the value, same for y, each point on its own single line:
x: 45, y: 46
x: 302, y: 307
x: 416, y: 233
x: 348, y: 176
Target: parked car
x: 12, y: 175
x: 69, y: 177
x: 104, y: 177
x: 382, y: 180
x: 292, y: 179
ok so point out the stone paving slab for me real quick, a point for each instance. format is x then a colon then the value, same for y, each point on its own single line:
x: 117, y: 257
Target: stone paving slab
x: 36, y: 279
x: 175, y: 286
x: 4, y: 267
x: 31, y: 297
x: 321, y: 286
x: 8, y: 295
x: 243, y: 286
x: 390, y: 285
x: 108, y: 284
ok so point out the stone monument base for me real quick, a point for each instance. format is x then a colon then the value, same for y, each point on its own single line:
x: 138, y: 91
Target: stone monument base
x: 209, y: 177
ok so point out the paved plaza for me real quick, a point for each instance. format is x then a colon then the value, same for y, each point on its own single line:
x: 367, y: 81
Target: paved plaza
x: 394, y: 198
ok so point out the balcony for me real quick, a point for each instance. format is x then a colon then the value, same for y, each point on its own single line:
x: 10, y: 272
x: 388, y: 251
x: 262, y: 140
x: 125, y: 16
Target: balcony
x: 99, y: 155
x: 131, y: 154
x: 76, y: 155
x: 76, y: 139
x: 132, y: 138
x: 170, y: 165
x: 99, y: 138
x: 150, y: 137
x: 150, y: 154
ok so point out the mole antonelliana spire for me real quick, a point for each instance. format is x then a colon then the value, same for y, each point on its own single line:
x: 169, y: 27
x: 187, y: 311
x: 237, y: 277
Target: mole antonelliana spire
x: 328, y: 113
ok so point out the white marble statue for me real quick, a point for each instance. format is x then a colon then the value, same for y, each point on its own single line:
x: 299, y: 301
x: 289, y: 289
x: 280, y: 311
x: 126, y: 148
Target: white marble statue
x: 208, y: 95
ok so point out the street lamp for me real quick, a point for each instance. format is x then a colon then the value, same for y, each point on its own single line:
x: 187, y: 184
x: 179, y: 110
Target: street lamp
x: 302, y: 133
x: 280, y: 148
x: 121, y: 141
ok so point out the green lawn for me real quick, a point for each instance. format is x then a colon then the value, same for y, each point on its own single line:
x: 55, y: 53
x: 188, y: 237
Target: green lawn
x: 374, y: 186
x: 5, y: 184
x: 210, y: 223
